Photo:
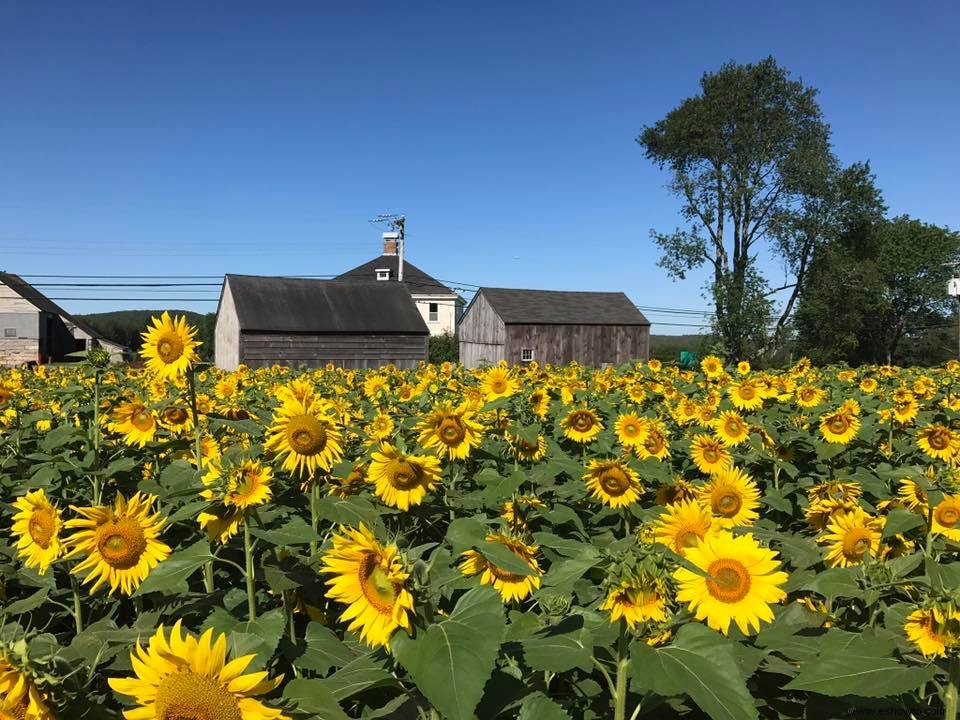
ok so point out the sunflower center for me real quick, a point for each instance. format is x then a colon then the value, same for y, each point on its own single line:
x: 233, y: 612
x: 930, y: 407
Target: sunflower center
x: 653, y: 444
x: 42, y: 528
x: 404, y: 475
x: 728, y: 503
x: 614, y: 481
x: 938, y: 440
x: 581, y: 421
x: 729, y: 580
x: 948, y: 516
x: 306, y: 435
x: 243, y: 485
x: 175, y: 415
x: 188, y: 696
x: 451, y: 431
x: 856, y: 543
x: 376, y: 584
x: 121, y: 543
x: 142, y: 420
x: 688, y: 539
x: 169, y: 348
x: 710, y: 454
x: 747, y: 392
x: 733, y: 427
x: 838, y: 424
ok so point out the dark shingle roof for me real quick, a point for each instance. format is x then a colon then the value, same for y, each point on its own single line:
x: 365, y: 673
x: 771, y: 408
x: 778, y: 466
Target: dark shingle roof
x: 40, y: 301
x: 559, y: 307
x: 297, y: 305
x: 416, y: 280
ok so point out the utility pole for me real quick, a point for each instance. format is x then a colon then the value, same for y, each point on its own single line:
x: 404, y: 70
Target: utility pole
x: 397, y: 224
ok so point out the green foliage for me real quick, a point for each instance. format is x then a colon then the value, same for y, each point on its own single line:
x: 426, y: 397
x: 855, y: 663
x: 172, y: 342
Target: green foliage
x: 443, y: 348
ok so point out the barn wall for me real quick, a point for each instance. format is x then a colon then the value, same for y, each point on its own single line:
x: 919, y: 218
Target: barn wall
x: 226, y: 335
x: 593, y: 345
x: 349, y: 351
x: 482, y: 334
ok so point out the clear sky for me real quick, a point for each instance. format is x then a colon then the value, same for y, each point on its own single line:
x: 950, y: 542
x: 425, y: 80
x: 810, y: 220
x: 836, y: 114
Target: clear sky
x: 198, y: 138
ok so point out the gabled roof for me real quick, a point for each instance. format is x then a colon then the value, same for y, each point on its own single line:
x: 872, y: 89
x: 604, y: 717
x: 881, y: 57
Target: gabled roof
x: 560, y: 307
x: 299, y: 305
x: 44, y: 304
x: 416, y: 280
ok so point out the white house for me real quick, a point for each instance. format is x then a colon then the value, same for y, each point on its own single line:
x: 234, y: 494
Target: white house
x: 440, y: 306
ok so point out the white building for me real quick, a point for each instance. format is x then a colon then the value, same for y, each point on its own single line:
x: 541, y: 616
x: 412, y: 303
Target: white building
x: 440, y: 306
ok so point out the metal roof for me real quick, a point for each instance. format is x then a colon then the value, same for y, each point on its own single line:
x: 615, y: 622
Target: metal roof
x: 298, y: 305
x: 561, y: 307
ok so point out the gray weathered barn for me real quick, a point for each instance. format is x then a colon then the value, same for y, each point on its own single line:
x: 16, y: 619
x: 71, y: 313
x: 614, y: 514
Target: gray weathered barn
x: 593, y: 328
x: 34, y: 329
x: 262, y: 321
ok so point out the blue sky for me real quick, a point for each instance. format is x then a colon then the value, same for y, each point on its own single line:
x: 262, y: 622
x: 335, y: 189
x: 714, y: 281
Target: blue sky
x: 185, y: 138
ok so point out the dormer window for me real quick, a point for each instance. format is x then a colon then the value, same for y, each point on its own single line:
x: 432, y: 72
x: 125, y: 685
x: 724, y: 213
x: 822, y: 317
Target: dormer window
x: 383, y: 273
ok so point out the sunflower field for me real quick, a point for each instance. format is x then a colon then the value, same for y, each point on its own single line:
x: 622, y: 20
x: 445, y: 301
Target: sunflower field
x: 535, y: 542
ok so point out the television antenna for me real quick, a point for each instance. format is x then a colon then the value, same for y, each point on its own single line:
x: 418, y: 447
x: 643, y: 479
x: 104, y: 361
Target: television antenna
x: 396, y: 223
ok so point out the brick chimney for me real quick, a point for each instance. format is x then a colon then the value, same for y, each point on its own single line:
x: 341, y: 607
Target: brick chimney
x: 390, y: 243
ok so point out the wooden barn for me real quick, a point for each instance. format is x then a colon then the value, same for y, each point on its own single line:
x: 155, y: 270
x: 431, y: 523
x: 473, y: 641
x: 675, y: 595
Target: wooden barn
x: 263, y: 321
x: 593, y: 328
x: 37, y: 330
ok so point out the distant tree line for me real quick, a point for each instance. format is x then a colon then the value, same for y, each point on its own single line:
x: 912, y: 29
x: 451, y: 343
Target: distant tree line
x: 125, y: 327
x: 751, y: 162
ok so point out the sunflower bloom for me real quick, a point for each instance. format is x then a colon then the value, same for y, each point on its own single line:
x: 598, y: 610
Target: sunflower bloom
x: 135, y: 421
x: 933, y: 630
x: 709, y: 454
x: 745, y: 395
x: 741, y: 580
x: 581, y: 425
x: 169, y: 346
x: 36, y: 529
x: 371, y: 581
x: 121, y: 543
x: 19, y: 697
x: 613, y: 483
x: 851, y: 536
x: 636, y: 600
x: 682, y: 525
x: 402, y: 481
x: 305, y: 436
x: 733, y: 498
x: 731, y: 428
x: 450, y: 432
x: 529, y: 451
x: 839, y: 427
x: 631, y: 430
x: 498, y: 382
x: 186, y: 677
x: 510, y: 586
x: 946, y: 517
x: 938, y: 441
x: 712, y: 366
x: 236, y: 488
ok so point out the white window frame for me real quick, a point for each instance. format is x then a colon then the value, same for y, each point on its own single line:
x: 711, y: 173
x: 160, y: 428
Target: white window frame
x: 526, y: 354
x: 433, y: 312
x: 383, y: 273
x: 10, y: 332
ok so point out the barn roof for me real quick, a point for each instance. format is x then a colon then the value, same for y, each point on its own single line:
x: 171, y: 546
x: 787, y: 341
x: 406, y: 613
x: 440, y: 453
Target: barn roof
x: 561, y: 307
x: 299, y: 305
x: 44, y: 304
x: 416, y: 280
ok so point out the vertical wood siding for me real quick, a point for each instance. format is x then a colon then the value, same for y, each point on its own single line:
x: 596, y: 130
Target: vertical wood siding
x: 226, y: 335
x: 593, y: 345
x: 349, y: 351
x: 483, y: 335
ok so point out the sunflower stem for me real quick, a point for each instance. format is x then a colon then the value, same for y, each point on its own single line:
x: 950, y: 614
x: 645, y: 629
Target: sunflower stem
x: 623, y: 668
x: 951, y: 690
x: 248, y: 556
x: 95, y: 437
x: 77, y: 604
x: 314, y: 515
x: 208, y: 577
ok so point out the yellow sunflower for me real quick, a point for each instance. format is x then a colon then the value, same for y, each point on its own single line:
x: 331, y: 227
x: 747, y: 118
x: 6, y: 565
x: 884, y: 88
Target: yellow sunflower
x: 450, y: 432
x: 820, y: 512
x: 236, y: 487
x: 517, y: 511
x: 402, y: 481
x: 613, y: 483
x: 169, y: 346
x: 839, y: 427
x: 946, y: 517
x: 121, y: 544
x: 743, y: 368
x: 381, y: 427
x: 733, y: 498
x: 186, y: 678
x: 808, y: 396
x: 741, y: 580
x: 511, y: 586
x: 351, y: 483
x: 498, y: 382
x: 655, y: 444
x: 36, y: 529
x: 933, y: 630
x: 677, y: 490
x: 523, y: 450
x: 731, y: 428
x: 539, y: 402
x: 581, y: 425
x: 912, y: 496
x: 636, y: 600
x: 745, y: 395
x: 682, y: 525
x: 709, y: 454
x: 631, y: 430
x: 712, y: 366
x: 938, y: 441
x: 851, y: 536
x: 135, y: 421
x: 305, y: 436
x: 20, y: 699
x: 370, y: 580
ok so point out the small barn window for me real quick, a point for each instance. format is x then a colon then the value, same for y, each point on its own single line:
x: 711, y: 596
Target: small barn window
x: 383, y: 273
x: 9, y: 332
x: 434, y: 312
x: 526, y: 354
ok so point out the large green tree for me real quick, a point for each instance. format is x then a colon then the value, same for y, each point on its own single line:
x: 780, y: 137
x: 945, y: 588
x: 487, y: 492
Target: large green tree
x: 877, y: 288
x: 750, y: 160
